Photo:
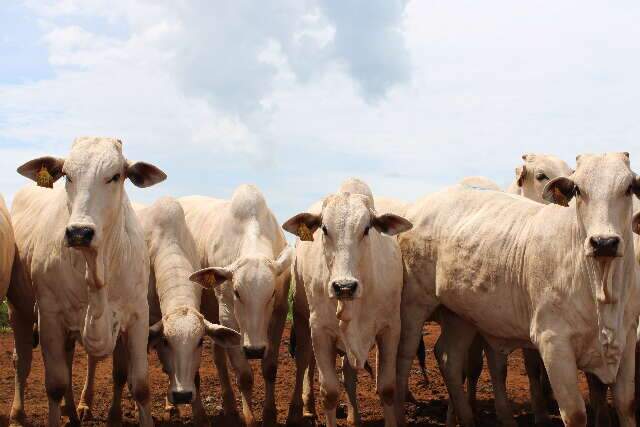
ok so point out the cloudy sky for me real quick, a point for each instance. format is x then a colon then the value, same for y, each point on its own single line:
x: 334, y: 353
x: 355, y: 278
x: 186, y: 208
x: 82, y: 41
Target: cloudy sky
x: 297, y: 95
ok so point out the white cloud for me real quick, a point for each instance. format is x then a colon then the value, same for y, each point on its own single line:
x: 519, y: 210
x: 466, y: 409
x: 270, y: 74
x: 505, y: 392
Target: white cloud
x: 298, y: 95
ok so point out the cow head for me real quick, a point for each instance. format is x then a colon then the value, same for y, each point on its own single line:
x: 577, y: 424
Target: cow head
x: 347, y: 222
x: 602, y: 186
x: 178, y: 339
x: 536, y: 172
x: 95, y: 171
x: 253, y: 280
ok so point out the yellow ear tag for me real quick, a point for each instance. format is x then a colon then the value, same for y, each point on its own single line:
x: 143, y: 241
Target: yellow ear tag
x: 559, y: 197
x: 304, y: 233
x: 210, y: 281
x: 44, y: 178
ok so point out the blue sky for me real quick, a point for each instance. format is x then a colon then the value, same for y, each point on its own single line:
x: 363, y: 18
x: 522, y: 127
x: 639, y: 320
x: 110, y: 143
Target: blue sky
x: 297, y: 95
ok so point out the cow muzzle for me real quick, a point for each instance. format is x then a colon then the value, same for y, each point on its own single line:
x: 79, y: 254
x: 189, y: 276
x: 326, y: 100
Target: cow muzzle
x: 181, y: 397
x: 253, y: 352
x: 344, y: 289
x: 605, y: 246
x: 79, y: 236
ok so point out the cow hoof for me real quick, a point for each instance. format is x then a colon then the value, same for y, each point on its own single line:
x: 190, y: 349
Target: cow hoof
x: 84, y: 413
x: 269, y: 417
x: 114, y: 419
x: 17, y: 419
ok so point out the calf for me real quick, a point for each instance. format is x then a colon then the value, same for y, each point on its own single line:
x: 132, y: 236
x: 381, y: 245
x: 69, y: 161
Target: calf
x: 558, y: 279
x: 240, y: 247
x: 348, y: 268
x: 82, y: 250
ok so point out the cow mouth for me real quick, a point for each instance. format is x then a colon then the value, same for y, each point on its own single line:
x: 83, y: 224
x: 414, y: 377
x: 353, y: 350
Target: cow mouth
x: 345, y: 295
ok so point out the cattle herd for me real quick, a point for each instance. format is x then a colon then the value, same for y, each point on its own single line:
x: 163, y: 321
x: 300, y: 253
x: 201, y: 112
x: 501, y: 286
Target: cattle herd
x: 548, y: 266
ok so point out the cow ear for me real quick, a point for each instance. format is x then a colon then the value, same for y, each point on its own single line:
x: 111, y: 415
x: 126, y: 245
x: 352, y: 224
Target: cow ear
x: 390, y: 224
x: 521, y: 173
x: 224, y: 337
x: 144, y: 174
x: 303, y: 225
x: 210, y: 277
x: 635, y: 185
x: 559, y: 190
x: 635, y: 223
x: 155, y: 333
x: 284, y: 260
x: 43, y: 170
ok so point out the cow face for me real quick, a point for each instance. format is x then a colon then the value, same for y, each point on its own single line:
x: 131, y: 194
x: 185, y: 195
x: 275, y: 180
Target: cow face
x: 603, y: 186
x: 95, y: 171
x: 347, y: 223
x: 536, y: 172
x: 178, y: 339
x: 253, y: 280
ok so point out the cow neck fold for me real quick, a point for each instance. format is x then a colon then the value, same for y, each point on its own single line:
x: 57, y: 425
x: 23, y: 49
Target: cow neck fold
x: 610, y: 292
x: 101, y: 325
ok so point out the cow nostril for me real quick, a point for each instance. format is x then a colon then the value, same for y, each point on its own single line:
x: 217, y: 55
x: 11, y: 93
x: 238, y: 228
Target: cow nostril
x: 182, y: 397
x: 344, y: 288
x: 79, y: 235
x: 605, y: 246
x: 254, y: 352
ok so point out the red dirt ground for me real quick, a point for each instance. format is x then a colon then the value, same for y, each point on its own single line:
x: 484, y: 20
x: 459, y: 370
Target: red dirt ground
x: 430, y: 412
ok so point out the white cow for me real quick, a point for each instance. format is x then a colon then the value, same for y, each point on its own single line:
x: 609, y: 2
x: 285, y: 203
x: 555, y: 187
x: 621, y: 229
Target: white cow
x: 239, y: 242
x: 84, y: 253
x: 535, y: 173
x: 178, y: 328
x: 529, y: 182
x: 559, y: 279
x: 7, y: 249
x: 348, y: 270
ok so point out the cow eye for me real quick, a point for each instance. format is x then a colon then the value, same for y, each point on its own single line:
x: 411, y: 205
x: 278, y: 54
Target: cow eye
x: 68, y: 178
x: 541, y: 176
x: 200, y: 342
x: 114, y: 178
x: 630, y: 190
x: 576, y: 191
x: 324, y: 230
x: 236, y: 293
x: 366, y: 230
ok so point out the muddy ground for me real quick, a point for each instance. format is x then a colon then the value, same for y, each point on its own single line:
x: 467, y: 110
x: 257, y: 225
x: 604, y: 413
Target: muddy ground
x: 430, y: 412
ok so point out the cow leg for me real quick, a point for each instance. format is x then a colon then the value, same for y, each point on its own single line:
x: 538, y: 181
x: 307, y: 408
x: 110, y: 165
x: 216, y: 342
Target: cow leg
x: 86, y: 398
x: 299, y: 406
x: 69, y: 407
x: 56, y: 370
x: 199, y: 413
x: 598, y: 400
x: 472, y: 372
x: 138, y: 369
x: 325, y: 352
x: 413, y: 315
x: 228, y: 397
x: 497, y: 363
x: 119, y: 376
x: 308, y: 395
x: 350, y: 384
x: 270, y: 364
x: 22, y: 325
x: 535, y: 368
x: 473, y: 368
x: 624, y: 387
x: 386, y: 372
x: 244, y: 376
x: 560, y: 363
x: 451, y: 351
